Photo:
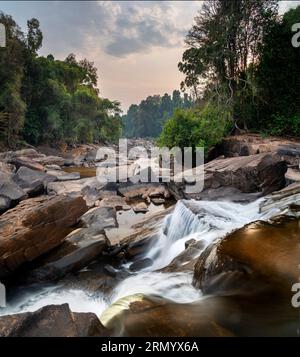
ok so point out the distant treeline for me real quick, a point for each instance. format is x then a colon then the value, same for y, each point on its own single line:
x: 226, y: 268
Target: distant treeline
x: 43, y: 100
x: 148, y: 118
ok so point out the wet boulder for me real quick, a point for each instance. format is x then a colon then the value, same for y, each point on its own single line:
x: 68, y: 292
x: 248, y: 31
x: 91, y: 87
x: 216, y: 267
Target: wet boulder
x: 261, y: 256
x: 148, y: 316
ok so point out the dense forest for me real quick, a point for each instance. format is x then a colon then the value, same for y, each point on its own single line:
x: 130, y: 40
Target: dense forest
x: 241, y: 66
x: 43, y: 100
x: 148, y: 118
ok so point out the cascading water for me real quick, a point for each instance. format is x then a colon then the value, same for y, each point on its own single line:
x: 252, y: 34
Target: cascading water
x: 201, y: 220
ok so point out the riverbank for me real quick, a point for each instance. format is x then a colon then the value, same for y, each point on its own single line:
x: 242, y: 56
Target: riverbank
x: 126, y: 256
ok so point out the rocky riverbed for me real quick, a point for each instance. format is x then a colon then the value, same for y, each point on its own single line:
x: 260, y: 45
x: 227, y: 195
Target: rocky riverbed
x: 80, y: 256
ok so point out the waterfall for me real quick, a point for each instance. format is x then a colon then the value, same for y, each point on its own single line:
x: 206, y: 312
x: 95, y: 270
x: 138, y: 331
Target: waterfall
x: 200, y: 220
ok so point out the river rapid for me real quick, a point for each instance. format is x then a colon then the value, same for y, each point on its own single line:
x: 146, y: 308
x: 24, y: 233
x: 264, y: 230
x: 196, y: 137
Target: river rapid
x: 205, y: 221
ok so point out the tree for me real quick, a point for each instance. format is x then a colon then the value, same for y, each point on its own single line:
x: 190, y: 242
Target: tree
x: 278, y: 76
x: 12, y: 59
x: 44, y: 100
x: 223, y: 41
x: 195, y: 128
x: 148, y: 118
x: 34, y: 35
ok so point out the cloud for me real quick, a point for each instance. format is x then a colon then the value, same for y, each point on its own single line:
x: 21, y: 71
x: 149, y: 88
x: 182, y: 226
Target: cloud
x: 138, y: 27
x: 118, y: 28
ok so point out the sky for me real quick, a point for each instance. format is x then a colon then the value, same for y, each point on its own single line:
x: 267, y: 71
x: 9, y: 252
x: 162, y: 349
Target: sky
x: 136, y: 45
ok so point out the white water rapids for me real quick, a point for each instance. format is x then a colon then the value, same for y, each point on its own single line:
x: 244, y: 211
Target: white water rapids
x: 210, y: 221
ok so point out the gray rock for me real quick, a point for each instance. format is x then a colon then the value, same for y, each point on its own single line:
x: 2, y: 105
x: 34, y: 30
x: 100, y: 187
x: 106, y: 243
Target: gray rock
x: 69, y: 176
x: 141, y: 264
x: 4, y: 204
x: 31, y: 181
x: 52, y: 167
x: 100, y: 218
x: 89, y: 188
x: 140, y: 208
x: 10, y: 190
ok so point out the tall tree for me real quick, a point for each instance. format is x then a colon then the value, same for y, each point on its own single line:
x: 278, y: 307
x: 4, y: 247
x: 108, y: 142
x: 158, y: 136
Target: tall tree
x: 12, y: 59
x: 34, y: 35
x: 223, y: 41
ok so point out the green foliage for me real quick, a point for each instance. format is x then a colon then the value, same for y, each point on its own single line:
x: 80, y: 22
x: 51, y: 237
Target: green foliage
x: 148, y: 118
x: 196, y: 128
x: 49, y: 100
x: 278, y: 77
x: 282, y: 125
x: 222, y: 42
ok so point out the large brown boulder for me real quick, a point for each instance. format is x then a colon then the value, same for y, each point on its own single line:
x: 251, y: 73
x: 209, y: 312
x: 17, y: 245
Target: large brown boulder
x: 35, y: 227
x: 52, y: 321
x: 260, y: 256
x: 262, y: 173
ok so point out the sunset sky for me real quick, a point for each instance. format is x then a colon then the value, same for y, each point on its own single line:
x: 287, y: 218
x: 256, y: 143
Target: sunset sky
x: 136, y: 45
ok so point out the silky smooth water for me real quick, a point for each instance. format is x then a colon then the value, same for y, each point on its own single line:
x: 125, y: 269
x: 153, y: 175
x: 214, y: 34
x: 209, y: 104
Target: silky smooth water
x: 206, y: 221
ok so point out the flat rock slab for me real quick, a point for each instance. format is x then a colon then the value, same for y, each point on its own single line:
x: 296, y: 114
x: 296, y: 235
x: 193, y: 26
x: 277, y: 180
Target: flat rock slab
x: 263, y: 173
x: 89, y: 188
x: 35, y: 227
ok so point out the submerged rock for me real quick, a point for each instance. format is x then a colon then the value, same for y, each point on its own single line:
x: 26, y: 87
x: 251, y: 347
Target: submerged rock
x: 141, y: 264
x: 52, y: 321
x: 146, y: 316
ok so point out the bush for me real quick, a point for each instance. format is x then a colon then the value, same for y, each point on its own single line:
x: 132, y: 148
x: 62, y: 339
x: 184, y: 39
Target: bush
x: 281, y: 125
x: 196, y: 128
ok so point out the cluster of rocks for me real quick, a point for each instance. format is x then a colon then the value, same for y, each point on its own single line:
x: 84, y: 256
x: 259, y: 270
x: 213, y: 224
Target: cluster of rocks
x: 53, y: 223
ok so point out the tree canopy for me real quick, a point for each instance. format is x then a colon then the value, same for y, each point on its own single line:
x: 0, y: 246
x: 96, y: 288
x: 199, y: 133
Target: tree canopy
x: 44, y: 100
